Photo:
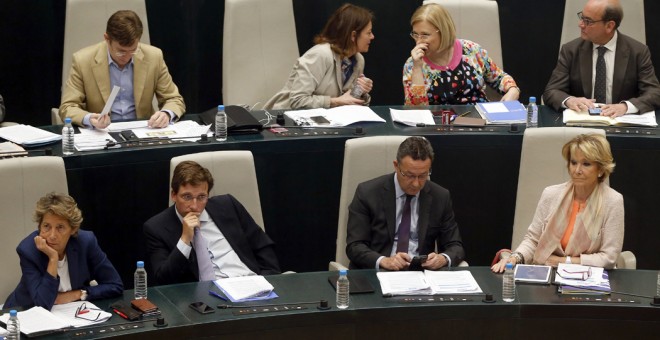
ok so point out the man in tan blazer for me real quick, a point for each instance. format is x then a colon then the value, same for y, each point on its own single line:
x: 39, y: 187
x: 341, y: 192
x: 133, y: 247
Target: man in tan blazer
x: 120, y: 60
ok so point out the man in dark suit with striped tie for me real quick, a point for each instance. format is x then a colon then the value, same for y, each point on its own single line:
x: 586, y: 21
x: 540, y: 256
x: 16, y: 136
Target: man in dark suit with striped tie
x: 397, y: 216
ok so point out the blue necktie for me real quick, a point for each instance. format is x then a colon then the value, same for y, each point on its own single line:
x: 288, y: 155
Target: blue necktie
x: 404, y: 228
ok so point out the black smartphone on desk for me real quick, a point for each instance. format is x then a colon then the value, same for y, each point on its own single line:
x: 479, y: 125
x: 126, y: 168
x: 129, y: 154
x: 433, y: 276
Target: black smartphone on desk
x: 416, y: 263
x: 201, y: 307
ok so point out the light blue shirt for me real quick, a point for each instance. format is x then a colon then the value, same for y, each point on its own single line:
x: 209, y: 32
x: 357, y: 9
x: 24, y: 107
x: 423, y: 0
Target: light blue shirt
x: 123, y: 108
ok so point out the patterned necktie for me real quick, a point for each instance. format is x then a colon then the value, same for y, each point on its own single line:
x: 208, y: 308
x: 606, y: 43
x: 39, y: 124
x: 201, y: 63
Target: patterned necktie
x: 206, y: 272
x: 600, y: 84
x: 404, y: 227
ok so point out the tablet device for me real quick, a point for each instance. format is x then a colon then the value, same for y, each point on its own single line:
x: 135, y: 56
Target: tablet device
x: 358, y: 284
x: 532, y: 273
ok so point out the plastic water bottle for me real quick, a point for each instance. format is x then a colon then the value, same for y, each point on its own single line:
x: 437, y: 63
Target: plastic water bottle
x: 532, y: 113
x: 356, y: 91
x: 508, y: 285
x: 343, y: 290
x: 140, y: 277
x: 67, y: 138
x: 221, y: 124
x: 13, y: 326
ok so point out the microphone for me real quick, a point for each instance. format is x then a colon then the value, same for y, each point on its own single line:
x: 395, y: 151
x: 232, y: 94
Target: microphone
x: 227, y: 306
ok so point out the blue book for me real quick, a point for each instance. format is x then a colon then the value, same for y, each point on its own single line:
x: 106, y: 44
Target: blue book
x: 506, y: 112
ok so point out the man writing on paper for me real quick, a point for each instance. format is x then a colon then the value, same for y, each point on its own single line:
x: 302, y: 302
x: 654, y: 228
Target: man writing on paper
x: 120, y: 60
x: 202, y: 238
x: 397, y: 216
x: 603, y: 66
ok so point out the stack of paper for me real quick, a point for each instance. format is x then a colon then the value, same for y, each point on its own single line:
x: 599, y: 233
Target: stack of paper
x: 89, y: 139
x: 39, y: 320
x: 185, y: 129
x: 506, y: 112
x: 579, y: 279
x: 428, y: 282
x: 412, y: 117
x: 28, y: 135
x: 246, y: 288
x: 573, y: 118
x: 338, y: 116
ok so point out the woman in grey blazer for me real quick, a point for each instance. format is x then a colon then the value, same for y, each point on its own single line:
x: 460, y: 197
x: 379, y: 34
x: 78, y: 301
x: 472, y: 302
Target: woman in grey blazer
x: 325, y: 75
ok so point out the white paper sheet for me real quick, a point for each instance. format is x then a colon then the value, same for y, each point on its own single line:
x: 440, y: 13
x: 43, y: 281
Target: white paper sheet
x: 111, y: 100
x: 412, y: 117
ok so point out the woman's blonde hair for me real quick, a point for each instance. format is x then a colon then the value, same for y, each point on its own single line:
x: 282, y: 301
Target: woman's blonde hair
x: 595, y: 148
x: 61, y: 205
x: 439, y: 17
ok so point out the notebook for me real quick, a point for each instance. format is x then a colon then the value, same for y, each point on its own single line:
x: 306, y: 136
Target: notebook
x: 506, y: 112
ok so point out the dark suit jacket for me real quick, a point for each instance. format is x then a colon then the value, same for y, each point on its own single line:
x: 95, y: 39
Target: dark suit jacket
x: 634, y: 77
x: 372, y: 223
x: 87, y: 262
x: 248, y: 240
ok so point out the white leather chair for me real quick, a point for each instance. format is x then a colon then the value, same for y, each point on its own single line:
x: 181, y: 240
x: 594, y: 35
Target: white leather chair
x: 364, y: 158
x: 259, y: 50
x: 542, y: 165
x: 85, y: 23
x: 479, y: 21
x: 23, y: 182
x: 633, y: 23
x: 233, y: 173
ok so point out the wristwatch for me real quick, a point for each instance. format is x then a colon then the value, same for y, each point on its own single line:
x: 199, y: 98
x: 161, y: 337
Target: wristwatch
x: 568, y: 259
x: 83, y: 295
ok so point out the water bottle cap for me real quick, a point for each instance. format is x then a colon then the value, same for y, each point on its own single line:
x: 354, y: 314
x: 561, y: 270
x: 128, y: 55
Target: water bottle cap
x: 343, y: 271
x: 140, y: 264
x: 532, y: 99
x: 509, y: 265
x: 13, y: 312
x: 67, y: 120
x: 221, y: 107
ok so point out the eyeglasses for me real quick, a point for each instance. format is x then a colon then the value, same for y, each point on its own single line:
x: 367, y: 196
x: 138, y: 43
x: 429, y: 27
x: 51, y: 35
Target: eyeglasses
x: 411, y: 177
x: 421, y: 36
x: 587, y: 21
x: 123, y: 53
x: 82, y: 312
x: 199, y: 198
x: 575, y: 275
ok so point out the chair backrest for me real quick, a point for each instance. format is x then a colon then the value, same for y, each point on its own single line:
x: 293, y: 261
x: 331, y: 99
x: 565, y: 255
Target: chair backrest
x: 23, y: 182
x: 233, y: 173
x: 259, y: 49
x: 541, y: 165
x: 486, y: 33
x: 633, y: 23
x: 85, y: 24
x: 364, y: 159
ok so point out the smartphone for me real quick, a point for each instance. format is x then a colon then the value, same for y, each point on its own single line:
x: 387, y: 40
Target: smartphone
x: 320, y: 120
x: 202, y: 308
x: 416, y: 263
x: 595, y: 111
